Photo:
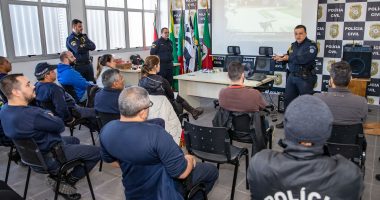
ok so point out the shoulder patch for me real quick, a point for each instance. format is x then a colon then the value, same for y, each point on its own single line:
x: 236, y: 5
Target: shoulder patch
x: 73, y: 43
x: 154, y: 45
x: 312, y: 49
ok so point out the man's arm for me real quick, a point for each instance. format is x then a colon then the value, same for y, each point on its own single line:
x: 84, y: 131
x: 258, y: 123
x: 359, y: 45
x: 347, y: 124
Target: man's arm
x: 89, y: 45
x: 46, y: 121
x: 154, y: 48
x: 176, y: 164
x: 75, y: 46
x: 190, y: 166
x: 60, y: 105
x: 77, y: 80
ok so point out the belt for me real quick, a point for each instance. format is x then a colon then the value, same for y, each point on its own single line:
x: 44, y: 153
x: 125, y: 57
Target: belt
x: 82, y: 63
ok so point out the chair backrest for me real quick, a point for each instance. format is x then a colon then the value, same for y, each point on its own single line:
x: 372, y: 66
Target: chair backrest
x: 346, y: 134
x: 103, y: 118
x: 214, y: 140
x: 30, y: 153
x: 91, y: 91
x: 241, y: 122
x: 70, y: 89
x: 352, y: 152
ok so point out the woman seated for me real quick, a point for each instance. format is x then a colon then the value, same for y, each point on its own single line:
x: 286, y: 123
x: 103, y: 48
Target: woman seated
x: 157, y: 85
x: 106, y: 61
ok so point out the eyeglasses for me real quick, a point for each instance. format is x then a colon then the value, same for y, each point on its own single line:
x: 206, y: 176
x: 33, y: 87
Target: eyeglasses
x: 150, y: 105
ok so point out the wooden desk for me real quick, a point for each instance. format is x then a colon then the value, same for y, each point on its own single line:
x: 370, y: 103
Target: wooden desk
x: 358, y: 86
x: 197, y: 84
x: 131, y: 77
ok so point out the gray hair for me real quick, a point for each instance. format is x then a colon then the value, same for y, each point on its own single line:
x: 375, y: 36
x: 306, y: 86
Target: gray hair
x: 110, y: 76
x: 132, y: 100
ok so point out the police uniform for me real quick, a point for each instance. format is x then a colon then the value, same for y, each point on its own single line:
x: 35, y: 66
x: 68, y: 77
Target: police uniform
x: 80, y: 46
x: 164, y: 49
x: 301, y: 76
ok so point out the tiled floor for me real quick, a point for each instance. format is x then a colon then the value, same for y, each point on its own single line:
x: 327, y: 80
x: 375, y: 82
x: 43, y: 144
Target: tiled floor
x: 107, y: 184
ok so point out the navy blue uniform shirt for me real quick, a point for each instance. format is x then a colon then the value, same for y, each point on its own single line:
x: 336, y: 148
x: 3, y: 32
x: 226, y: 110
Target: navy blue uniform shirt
x: 302, y: 55
x: 55, y: 96
x: 80, y: 46
x: 148, y: 156
x: 106, y: 100
x: 32, y: 122
x: 163, y: 49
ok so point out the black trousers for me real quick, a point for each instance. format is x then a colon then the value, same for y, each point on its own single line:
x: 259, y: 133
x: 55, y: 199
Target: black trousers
x: 166, y: 71
x: 87, y: 71
x: 296, y: 86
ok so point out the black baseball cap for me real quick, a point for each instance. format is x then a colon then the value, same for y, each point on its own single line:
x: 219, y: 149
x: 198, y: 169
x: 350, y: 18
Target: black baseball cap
x: 42, y: 69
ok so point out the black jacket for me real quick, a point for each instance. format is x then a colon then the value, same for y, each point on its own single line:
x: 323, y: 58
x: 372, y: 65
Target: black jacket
x: 156, y: 85
x: 303, y: 171
x: 163, y: 49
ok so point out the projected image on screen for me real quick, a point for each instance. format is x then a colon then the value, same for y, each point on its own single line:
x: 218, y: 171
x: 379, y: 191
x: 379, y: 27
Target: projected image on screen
x: 264, y: 16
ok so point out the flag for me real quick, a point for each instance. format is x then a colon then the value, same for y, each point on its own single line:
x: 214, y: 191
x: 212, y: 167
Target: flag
x: 189, y: 52
x: 206, y: 45
x: 171, y: 35
x: 198, y: 61
x: 181, y: 37
x: 155, y: 33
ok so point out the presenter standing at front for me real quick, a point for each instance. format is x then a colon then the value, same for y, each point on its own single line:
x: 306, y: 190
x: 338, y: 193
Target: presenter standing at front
x: 301, y: 76
x: 163, y: 48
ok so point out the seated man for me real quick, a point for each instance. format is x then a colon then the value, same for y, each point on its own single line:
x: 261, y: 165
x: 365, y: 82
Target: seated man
x: 68, y: 76
x: 347, y: 108
x: 5, y: 68
x: 22, y: 121
x: 106, y: 99
x: 51, y: 96
x: 237, y: 97
x: 153, y: 165
x: 303, y: 170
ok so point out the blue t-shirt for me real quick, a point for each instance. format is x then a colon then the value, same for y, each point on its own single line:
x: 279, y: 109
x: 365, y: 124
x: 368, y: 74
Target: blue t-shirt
x: 148, y: 156
x: 32, y: 122
x: 106, y: 101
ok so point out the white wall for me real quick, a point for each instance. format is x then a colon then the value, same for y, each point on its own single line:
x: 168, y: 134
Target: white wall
x: 76, y: 11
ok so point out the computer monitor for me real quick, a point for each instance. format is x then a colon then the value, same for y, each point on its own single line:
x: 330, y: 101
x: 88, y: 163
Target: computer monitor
x: 230, y: 59
x: 264, y: 64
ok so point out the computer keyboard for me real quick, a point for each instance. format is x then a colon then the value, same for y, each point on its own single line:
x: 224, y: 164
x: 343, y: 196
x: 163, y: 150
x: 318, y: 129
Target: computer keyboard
x: 257, y: 77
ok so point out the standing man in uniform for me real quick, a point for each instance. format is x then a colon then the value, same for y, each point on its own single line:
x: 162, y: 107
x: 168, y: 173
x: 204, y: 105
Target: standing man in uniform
x: 301, y: 76
x: 163, y: 48
x: 79, y: 44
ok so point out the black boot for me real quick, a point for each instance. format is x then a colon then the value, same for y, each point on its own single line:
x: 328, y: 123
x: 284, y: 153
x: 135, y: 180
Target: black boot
x: 195, y: 112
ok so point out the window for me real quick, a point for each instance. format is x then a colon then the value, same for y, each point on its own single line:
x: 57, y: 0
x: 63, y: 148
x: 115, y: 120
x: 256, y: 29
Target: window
x: 37, y: 27
x: 97, y: 28
x: 25, y: 30
x: 3, y: 51
x: 127, y: 23
x: 135, y: 29
x: 55, y: 22
x: 117, y: 29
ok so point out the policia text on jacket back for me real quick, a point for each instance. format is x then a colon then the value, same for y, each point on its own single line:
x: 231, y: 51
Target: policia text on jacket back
x: 163, y: 48
x: 301, y: 76
x: 80, y: 45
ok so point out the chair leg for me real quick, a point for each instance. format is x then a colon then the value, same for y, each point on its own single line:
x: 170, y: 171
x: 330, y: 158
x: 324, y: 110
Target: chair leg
x: 9, y: 164
x: 217, y: 165
x: 80, y: 126
x: 101, y: 165
x: 89, y: 181
x: 246, y: 171
x: 92, y: 138
x: 234, y: 181
x: 27, y: 182
x: 57, y: 186
x: 71, y: 131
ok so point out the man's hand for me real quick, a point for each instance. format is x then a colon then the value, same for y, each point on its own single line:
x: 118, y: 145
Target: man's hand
x: 279, y: 58
x: 191, y: 159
